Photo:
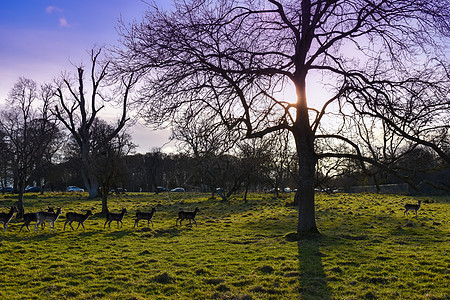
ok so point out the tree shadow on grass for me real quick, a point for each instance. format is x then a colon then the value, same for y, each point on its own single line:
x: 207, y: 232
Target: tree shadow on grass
x: 313, y: 280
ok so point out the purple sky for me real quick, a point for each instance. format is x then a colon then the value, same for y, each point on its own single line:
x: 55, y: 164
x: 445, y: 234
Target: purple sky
x: 39, y: 39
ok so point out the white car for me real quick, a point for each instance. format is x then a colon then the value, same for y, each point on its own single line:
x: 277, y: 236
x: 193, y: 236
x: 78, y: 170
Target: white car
x: 73, y: 188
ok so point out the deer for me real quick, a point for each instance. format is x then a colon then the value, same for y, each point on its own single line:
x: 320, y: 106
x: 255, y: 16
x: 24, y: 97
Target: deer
x: 189, y: 215
x: 144, y: 216
x: 32, y: 217
x: 115, y: 217
x: 75, y: 217
x: 50, y: 217
x: 414, y: 207
x: 5, y: 218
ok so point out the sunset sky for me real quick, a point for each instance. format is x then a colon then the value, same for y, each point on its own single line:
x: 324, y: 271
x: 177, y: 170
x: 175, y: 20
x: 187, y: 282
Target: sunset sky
x: 39, y: 39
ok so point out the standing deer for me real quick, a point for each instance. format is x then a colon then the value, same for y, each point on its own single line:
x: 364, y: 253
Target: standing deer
x: 49, y: 217
x: 32, y: 217
x: 75, y: 217
x: 6, y: 217
x: 144, y: 216
x: 115, y: 217
x: 409, y: 207
x: 189, y: 215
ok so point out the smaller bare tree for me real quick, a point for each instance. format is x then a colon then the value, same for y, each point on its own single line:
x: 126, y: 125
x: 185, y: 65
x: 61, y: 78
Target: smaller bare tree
x: 78, y: 113
x: 28, y: 130
x: 108, y: 157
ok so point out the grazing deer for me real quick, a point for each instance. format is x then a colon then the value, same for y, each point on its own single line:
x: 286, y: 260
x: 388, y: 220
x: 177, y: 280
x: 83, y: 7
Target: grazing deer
x: 50, y: 217
x: 190, y: 215
x: 409, y: 207
x: 6, y: 217
x: 74, y: 217
x: 144, y: 216
x: 32, y: 217
x: 115, y: 217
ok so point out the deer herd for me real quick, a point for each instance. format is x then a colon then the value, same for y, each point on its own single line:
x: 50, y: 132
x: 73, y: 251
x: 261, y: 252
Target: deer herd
x: 51, y: 216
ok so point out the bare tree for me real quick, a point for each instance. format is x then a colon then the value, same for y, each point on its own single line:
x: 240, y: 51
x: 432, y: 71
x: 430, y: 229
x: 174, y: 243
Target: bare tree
x: 108, y: 157
x: 257, y: 157
x: 29, y: 130
x: 78, y: 113
x: 209, y: 143
x: 234, y: 59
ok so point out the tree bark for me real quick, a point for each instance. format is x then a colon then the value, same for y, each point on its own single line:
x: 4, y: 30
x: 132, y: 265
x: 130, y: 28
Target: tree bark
x: 21, y: 189
x: 304, y: 140
x: 105, y: 202
x: 90, y: 182
x: 305, y: 192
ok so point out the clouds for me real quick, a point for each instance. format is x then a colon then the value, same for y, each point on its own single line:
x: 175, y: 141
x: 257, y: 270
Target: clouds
x: 63, y: 22
x: 56, y: 10
x: 52, y: 9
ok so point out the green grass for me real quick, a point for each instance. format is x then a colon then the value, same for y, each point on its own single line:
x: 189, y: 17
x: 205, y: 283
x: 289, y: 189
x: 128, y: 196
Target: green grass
x: 367, y: 250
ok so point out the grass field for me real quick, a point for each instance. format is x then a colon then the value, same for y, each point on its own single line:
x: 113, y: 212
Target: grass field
x: 367, y: 250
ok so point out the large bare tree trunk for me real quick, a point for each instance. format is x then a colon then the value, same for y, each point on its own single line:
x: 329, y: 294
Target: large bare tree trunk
x: 90, y: 181
x: 305, y: 191
x: 304, y: 140
x: 91, y: 184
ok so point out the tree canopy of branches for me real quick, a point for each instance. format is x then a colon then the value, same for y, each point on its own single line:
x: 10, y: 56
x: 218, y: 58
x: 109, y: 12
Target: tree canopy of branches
x: 78, y: 113
x: 28, y: 129
x: 380, y: 61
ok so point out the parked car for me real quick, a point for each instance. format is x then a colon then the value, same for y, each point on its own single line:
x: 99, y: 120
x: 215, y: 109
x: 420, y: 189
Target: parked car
x: 178, y: 189
x: 118, y: 191
x: 7, y: 189
x: 73, y: 188
x: 33, y: 189
x: 160, y: 189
